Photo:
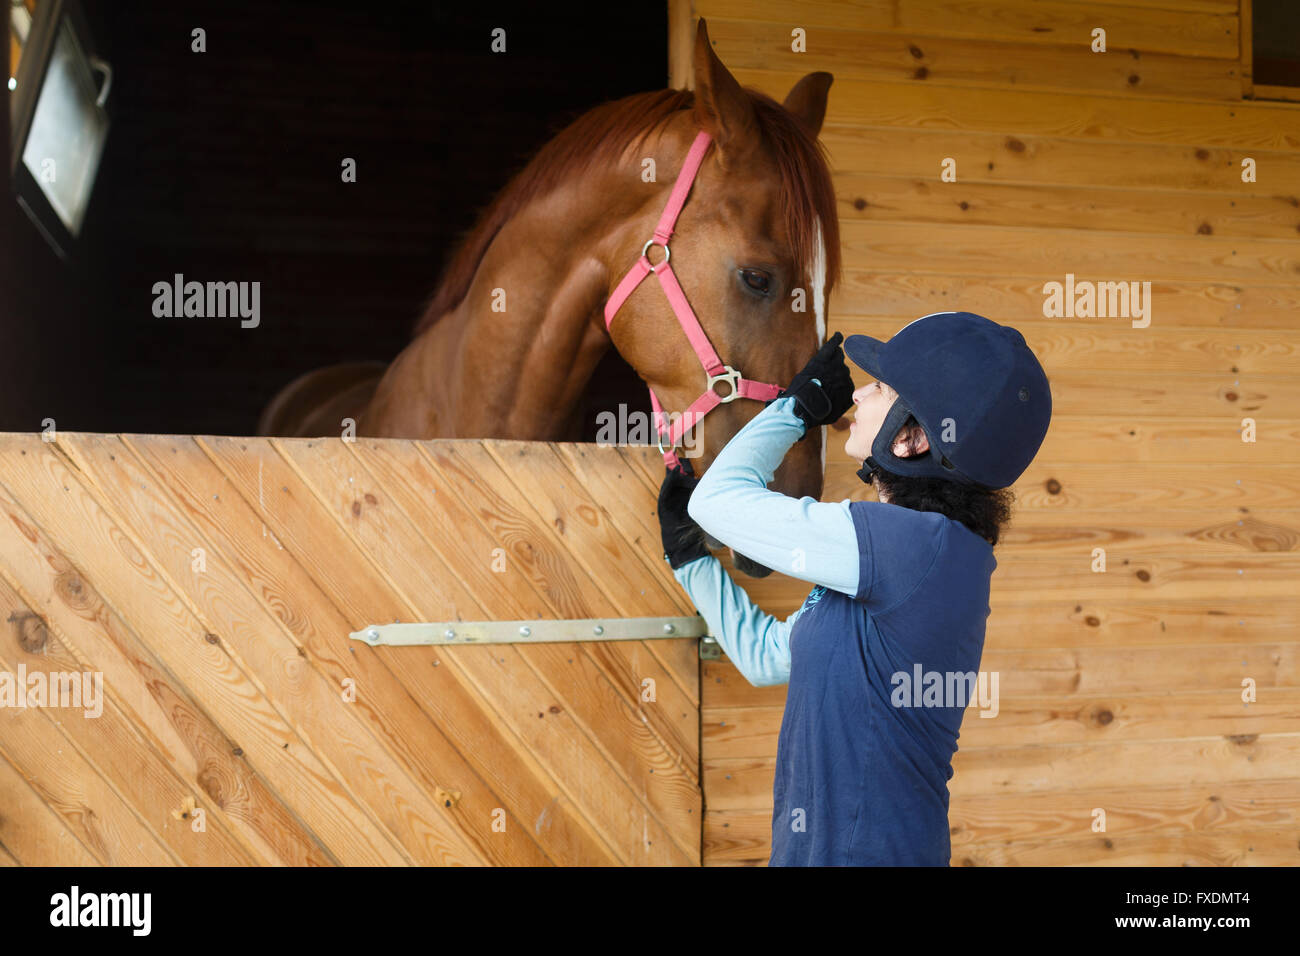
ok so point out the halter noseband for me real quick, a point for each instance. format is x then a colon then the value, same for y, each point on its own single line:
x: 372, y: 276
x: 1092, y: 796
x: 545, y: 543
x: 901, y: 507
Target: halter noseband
x: 713, y: 367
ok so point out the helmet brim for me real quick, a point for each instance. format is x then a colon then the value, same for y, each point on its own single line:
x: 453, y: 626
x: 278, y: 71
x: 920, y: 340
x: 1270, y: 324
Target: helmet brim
x: 865, y: 353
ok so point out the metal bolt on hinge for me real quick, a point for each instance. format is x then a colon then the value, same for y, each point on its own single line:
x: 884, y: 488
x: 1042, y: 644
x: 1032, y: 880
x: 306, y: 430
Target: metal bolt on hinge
x: 710, y: 650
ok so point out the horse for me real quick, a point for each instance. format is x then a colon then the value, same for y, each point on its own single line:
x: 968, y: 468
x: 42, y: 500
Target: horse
x: 514, y: 330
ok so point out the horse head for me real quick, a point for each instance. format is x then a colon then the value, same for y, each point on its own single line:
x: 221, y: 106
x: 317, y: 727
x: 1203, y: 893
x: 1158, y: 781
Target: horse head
x: 755, y: 249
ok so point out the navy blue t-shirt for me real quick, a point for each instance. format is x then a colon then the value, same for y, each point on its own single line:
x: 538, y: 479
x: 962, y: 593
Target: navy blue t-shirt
x: 860, y: 781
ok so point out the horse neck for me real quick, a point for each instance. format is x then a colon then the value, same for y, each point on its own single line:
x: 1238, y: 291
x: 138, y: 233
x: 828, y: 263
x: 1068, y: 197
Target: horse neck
x: 512, y: 359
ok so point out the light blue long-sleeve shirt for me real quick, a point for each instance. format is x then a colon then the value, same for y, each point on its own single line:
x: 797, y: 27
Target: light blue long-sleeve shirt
x: 805, y: 538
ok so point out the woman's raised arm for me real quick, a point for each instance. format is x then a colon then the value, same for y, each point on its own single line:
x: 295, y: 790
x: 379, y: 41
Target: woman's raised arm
x: 811, y: 540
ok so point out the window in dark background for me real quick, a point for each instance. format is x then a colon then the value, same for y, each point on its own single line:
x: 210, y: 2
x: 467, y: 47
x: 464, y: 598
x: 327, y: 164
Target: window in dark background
x: 225, y: 166
x: 1275, y: 42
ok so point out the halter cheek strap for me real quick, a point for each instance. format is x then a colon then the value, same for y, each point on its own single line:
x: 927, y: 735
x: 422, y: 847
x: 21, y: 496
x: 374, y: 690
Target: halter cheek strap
x: 663, y: 271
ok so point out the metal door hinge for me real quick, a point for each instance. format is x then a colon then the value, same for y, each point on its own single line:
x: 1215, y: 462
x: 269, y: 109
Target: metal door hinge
x: 532, y: 632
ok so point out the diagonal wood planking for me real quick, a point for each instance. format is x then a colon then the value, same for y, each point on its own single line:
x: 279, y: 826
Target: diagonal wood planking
x: 337, y: 560
x: 214, y: 581
x: 505, y: 676
x: 155, y: 704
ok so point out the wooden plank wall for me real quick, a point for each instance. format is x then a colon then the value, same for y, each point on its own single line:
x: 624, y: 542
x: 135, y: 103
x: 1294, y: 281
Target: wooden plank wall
x: 1119, y: 690
x: 213, y: 583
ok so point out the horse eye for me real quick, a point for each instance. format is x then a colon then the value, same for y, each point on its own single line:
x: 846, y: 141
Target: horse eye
x: 757, y: 280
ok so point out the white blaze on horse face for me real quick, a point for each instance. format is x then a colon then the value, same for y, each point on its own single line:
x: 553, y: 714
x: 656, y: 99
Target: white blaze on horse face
x: 819, y: 286
x: 819, y: 310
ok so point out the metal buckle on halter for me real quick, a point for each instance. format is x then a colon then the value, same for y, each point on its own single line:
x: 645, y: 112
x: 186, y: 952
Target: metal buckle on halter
x: 646, y: 248
x: 731, y: 377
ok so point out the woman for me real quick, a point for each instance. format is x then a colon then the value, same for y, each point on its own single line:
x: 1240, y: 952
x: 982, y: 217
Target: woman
x: 958, y: 409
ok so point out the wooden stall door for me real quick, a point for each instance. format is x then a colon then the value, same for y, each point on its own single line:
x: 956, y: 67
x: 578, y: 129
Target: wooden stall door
x: 211, y: 585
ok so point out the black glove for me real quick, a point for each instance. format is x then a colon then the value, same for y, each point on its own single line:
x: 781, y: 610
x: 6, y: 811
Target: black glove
x: 683, y: 539
x: 824, y: 403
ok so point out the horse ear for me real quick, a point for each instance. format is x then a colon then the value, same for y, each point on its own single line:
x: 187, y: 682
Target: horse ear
x: 722, y: 108
x: 807, y: 100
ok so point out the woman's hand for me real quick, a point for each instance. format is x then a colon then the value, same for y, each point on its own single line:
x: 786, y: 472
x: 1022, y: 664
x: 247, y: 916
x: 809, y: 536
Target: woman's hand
x: 823, y: 391
x: 683, y: 539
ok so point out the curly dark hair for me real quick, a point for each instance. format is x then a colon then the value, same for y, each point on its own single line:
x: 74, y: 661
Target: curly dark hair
x: 982, y: 509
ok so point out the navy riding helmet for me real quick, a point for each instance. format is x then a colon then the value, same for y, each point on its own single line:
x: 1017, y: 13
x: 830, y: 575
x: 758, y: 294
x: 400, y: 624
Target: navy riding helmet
x: 974, y: 386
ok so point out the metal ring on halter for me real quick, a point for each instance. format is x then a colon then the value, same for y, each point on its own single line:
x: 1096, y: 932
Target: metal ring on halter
x: 646, y: 248
x: 731, y: 377
x: 659, y: 440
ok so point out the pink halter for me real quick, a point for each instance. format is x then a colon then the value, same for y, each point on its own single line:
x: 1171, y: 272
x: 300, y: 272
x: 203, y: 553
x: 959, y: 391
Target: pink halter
x: 713, y: 367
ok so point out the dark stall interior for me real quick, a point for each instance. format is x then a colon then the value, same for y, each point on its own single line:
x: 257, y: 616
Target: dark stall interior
x: 226, y: 165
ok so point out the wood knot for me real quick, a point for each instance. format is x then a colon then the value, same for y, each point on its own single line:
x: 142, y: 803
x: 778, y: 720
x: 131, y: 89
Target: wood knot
x: 371, y: 499
x: 1205, y: 229
x: 210, y: 779
x: 859, y: 204
x: 71, y: 590
x: 186, y: 811
x: 448, y: 798
x: 1230, y: 396
x: 1241, y: 739
x: 1143, y: 575
x: 1202, y: 154
x: 356, y: 509
x: 1015, y: 145
x: 1053, y: 486
x: 915, y: 51
x: 1092, y: 621
x: 211, y: 638
x: 921, y: 73
x: 1104, y: 717
x: 554, y: 709
x: 30, y: 629
x: 1134, y: 79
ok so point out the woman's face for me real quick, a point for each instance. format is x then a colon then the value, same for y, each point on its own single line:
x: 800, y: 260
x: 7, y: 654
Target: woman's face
x: 872, y: 405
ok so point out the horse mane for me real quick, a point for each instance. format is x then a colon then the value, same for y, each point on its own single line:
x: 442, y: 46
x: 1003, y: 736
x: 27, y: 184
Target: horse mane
x: 603, y: 134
